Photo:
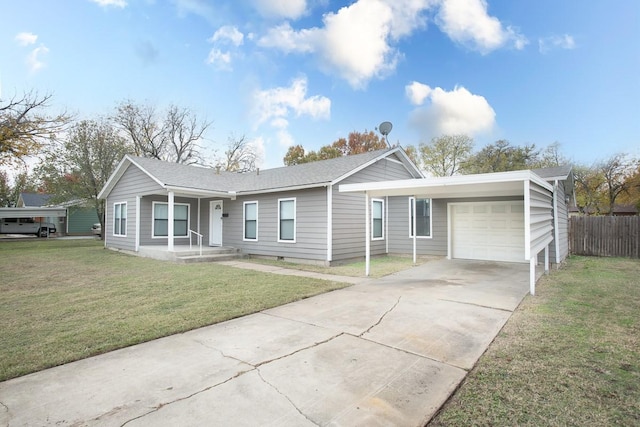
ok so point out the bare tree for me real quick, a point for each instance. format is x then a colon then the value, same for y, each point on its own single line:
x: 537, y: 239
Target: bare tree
x: 24, y: 126
x: 175, y: 137
x: 240, y: 156
x: 615, y: 171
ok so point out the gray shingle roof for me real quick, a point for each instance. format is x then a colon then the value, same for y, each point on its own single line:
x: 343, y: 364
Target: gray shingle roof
x: 35, y: 199
x: 307, y: 174
x: 554, y: 172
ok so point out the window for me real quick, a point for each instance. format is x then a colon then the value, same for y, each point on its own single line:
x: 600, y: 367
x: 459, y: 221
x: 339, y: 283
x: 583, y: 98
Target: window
x: 377, y: 219
x: 120, y: 219
x: 161, y: 219
x: 250, y: 220
x: 423, y: 217
x: 287, y: 220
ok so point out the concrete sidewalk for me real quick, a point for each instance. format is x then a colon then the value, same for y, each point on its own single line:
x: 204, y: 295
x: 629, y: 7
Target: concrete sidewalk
x: 382, y: 352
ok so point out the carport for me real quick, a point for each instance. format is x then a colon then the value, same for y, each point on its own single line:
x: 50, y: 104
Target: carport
x: 32, y: 212
x: 533, y: 236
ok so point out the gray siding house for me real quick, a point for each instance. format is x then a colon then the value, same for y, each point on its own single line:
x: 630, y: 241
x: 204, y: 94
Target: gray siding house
x: 293, y: 212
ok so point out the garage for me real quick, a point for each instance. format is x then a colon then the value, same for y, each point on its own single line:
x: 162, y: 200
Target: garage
x: 487, y: 230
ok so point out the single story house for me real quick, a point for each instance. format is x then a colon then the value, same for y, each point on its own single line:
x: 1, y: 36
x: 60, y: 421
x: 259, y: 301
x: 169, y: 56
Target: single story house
x: 338, y: 209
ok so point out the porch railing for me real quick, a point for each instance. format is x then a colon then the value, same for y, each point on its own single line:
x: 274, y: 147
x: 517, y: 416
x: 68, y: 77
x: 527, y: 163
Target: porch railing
x: 199, y: 240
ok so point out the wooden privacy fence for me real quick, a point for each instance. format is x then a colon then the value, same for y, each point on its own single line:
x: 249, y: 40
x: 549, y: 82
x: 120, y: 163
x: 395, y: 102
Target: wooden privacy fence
x: 605, y: 236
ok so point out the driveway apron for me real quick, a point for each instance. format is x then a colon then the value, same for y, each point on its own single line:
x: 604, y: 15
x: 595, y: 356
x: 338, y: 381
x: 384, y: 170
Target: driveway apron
x: 386, y: 352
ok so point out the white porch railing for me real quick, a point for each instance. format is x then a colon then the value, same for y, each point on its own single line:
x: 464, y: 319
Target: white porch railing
x: 199, y: 240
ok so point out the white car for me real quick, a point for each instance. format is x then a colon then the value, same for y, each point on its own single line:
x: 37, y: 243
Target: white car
x: 96, y: 229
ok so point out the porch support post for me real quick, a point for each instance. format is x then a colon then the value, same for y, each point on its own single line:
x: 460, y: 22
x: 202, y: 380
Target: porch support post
x: 198, y: 219
x: 546, y: 259
x: 138, y: 223
x: 532, y: 275
x: 415, y: 231
x: 367, y: 251
x: 170, y: 219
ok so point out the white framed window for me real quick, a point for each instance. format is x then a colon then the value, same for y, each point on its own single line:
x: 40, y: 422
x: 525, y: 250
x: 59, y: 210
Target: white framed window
x: 423, y: 217
x: 287, y: 220
x: 250, y: 223
x: 120, y: 219
x: 160, y: 223
x: 377, y: 219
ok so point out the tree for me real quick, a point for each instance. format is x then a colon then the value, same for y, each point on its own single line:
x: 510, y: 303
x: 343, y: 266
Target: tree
x: 356, y: 143
x: 412, y: 153
x: 551, y: 157
x: 501, y: 157
x: 5, y: 190
x: 240, y: 156
x: 615, y: 172
x: 589, y: 185
x: 25, y: 128
x: 175, y: 137
x: 632, y: 195
x: 79, y: 167
x: 445, y: 155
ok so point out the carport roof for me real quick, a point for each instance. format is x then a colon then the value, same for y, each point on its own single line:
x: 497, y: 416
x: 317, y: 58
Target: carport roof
x: 480, y: 185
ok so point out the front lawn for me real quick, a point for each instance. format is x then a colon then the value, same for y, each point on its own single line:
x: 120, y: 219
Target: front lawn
x: 568, y: 356
x: 64, y: 300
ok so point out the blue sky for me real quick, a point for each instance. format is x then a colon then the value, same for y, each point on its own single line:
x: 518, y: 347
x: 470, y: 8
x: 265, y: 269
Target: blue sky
x: 308, y: 72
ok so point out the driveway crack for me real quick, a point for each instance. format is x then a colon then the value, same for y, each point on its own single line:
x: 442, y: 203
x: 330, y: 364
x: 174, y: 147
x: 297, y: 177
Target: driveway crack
x: 299, y: 350
x: 161, y: 405
x: 286, y: 397
x: 5, y: 409
x: 381, y: 317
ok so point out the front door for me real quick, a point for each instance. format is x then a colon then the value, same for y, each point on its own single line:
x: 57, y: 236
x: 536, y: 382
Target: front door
x: 215, y: 223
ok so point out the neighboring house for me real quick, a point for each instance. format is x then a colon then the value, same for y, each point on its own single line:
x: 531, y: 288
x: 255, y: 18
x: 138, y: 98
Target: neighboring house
x: 333, y: 210
x: 78, y: 221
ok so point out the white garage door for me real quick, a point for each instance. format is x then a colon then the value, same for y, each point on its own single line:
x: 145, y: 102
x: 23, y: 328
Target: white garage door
x: 488, y: 231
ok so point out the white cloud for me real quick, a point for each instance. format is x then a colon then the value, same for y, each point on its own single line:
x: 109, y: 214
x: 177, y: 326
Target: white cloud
x: 468, y: 23
x: 556, y: 42
x: 220, y: 60
x: 228, y: 34
x: 275, y: 105
x: 287, y: 9
x: 115, y: 3
x: 34, y: 61
x: 450, y: 112
x: 417, y: 92
x: 26, y: 39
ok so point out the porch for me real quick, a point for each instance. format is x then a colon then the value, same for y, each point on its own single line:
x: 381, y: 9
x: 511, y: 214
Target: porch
x: 185, y: 254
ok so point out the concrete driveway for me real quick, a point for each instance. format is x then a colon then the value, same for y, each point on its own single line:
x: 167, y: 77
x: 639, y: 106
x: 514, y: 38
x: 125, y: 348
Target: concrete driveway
x: 385, y: 352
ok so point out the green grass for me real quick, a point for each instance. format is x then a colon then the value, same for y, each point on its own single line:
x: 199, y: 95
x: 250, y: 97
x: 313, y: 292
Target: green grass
x: 64, y: 300
x: 379, y: 266
x: 568, y: 356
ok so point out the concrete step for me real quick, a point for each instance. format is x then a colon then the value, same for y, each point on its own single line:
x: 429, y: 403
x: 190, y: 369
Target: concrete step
x: 189, y: 259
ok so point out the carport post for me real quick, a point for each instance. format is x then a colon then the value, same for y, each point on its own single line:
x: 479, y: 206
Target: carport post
x: 413, y: 224
x: 367, y: 251
x: 532, y: 275
x: 546, y: 259
x: 170, y: 206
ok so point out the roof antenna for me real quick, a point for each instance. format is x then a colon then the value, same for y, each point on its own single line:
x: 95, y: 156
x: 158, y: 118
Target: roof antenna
x: 385, y: 128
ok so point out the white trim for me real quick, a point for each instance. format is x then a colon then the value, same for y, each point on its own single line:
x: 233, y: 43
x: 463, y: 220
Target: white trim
x: 430, y: 236
x: 126, y: 220
x: 556, y: 223
x: 153, y: 225
x: 449, y: 231
x: 329, y: 223
x: 527, y: 222
x: 386, y: 223
x: 198, y: 218
x: 367, y: 234
x: 244, y: 220
x: 138, y: 203
x: 295, y: 219
x: 381, y: 219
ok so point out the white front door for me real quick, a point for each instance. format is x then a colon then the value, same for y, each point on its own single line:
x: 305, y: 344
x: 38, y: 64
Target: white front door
x: 215, y: 223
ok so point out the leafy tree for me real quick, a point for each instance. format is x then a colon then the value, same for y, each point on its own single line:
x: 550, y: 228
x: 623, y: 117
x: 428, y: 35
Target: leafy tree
x: 174, y: 136
x: 501, y: 156
x: 551, y: 157
x: 356, y: 143
x: 79, y: 167
x: 24, y: 126
x: 412, y: 153
x: 445, y: 155
x: 589, y: 186
x: 240, y: 156
x: 632, y: 195
x: 5, y: 191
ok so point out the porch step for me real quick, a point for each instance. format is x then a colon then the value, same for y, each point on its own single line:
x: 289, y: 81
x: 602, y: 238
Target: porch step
x: 209, y: 255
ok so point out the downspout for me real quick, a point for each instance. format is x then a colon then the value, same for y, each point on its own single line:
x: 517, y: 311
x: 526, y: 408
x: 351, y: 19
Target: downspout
x: 329, y: 223
x: 556, y: 222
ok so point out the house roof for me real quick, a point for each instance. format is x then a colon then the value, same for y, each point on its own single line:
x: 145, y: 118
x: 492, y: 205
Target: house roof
x: 194, y: 178
x: 34, y: 200
x: 553, y: 173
